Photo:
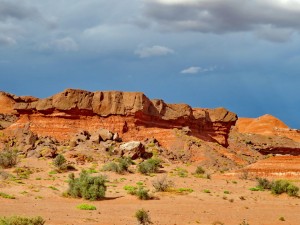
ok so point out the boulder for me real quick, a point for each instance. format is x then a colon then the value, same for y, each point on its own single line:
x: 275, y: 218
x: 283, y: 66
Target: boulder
x: 105, y: 134
x: 132, y: 149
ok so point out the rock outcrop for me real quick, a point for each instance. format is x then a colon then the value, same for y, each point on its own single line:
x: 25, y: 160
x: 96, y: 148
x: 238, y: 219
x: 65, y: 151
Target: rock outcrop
x: 267, y: 125
x: 130, y: 114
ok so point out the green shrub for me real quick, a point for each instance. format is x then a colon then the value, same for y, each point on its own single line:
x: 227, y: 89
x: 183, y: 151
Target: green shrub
x: 199, y: 170
x: 86, y: 207
x: 264, y: 183
x: 8, y: 158
x: 143, y: 217
x: 86, y: 186
x: 142, y: 193
x: 149, y: 166
x: 4, y: 195
x: 17, y: 220
x: 111, y: 166
x: 284, y: 186
x: 120, y: 167
x: 130, y: 189
x: 292, y: 190
x: 138, y: 191
x: 162, y: 184
x: 279, y: 187
x: 60, y: 162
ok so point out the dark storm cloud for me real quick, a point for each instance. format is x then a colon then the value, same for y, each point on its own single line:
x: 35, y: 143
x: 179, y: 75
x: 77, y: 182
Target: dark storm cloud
x: 16, y: 10
x: 222, y: 16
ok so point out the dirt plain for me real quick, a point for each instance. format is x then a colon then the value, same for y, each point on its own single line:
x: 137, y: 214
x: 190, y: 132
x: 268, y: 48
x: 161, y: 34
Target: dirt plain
x: 36, y: 196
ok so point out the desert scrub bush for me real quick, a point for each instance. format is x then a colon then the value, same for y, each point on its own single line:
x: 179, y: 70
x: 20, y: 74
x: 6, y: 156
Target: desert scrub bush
x: 4, y: 195
x: 284, y: 186
x: 149, y: 166
x: 264, y: 183
x: 23, y: 172
x: 17, y: 220
x: 8, y: 158
x: 86, y: 186
x: 61, y: 164
x: 122, y: 165
x: 86, y: 207
x: 143, y: 217
x: 138, y: 191
x: 199, y: 170
x: 162, y: 184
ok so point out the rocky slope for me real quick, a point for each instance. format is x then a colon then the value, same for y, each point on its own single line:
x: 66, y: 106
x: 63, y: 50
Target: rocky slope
x: 97, y: 124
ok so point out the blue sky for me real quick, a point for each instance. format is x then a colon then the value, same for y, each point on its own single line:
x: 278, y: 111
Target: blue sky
x: 242, y: 55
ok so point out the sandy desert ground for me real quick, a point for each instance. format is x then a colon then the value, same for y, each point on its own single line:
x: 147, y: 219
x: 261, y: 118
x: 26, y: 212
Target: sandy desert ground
x: 36, y: 196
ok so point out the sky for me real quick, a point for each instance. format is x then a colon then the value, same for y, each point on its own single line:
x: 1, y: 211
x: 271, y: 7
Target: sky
x: 241, y: 55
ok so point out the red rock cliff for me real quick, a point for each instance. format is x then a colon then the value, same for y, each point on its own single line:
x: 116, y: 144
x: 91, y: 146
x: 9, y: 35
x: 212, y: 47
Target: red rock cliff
x: 131, y: 114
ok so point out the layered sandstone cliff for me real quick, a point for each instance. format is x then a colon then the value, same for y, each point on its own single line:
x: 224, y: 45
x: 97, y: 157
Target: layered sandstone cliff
x: 131, y: 114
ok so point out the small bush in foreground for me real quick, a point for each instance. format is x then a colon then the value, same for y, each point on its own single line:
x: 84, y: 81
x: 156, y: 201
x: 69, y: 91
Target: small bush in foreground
x: 143, y: 217
x: 162, y: 184
x: 149, y: 166
x: 17, y: 220
x: 8, y: 158
x: 86, y: 207
x: 86, y: 186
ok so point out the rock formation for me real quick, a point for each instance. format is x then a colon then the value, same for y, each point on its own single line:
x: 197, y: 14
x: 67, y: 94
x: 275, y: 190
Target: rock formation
x: 130, y: 114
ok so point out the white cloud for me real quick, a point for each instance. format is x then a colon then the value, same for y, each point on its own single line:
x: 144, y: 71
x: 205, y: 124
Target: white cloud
x: 155, y: 50
x: 197, y: 69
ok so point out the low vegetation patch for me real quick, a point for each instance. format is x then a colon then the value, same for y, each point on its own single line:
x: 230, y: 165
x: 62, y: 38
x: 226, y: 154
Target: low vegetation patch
x: 61, y: 164
x: 23, y: 172
x: 138, y: 191
x: 149, y: 166
x: 184, y: 190
x: 180, y: 172
x: 277, y: 187
x: 143, y: 217
x: 162, y: 184
x: 17, y: 220
x: 121, y: 166
x: 4, y: 195
x: 87, y: 186
x: 86, y: 207
x: 8, y: 158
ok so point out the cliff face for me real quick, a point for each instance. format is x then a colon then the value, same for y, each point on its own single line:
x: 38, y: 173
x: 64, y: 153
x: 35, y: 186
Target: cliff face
x: 131, y: 114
